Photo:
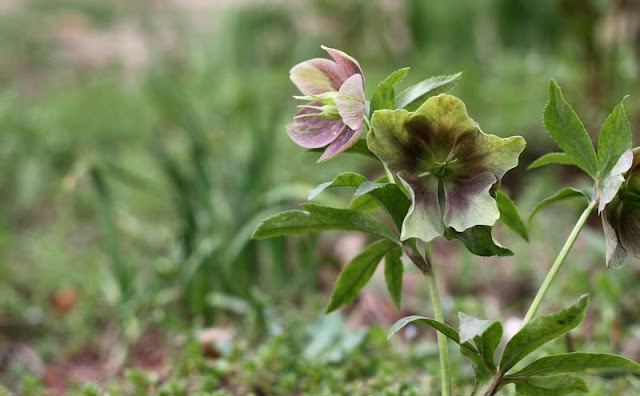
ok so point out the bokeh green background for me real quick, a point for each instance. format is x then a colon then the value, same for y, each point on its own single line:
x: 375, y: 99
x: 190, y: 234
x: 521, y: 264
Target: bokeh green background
x: 142, y: 141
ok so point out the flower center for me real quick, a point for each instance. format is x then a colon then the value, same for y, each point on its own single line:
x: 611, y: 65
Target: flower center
x: 327, y: 110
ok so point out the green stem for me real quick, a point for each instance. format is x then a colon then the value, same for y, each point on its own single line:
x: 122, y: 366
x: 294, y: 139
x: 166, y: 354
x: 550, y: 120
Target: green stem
x: 558, y: 263
x: 424, y: 264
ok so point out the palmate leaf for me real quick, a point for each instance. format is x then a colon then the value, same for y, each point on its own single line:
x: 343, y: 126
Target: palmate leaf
x: 551, y: 158
x: 613, y: 141
x: 316, y: 218
x: 563, y: 194
x: 393, y: 272
x: 384, y: 95
x: 412, y: 97
x: 479, y: 241
x: 357, y: 273
x: 486, y: 334
x: 566, y: 129
x: 510, y: 216
x: 344, y: 179
x: 559, y: 385
x: 540, y: 331
x: 580, y: 362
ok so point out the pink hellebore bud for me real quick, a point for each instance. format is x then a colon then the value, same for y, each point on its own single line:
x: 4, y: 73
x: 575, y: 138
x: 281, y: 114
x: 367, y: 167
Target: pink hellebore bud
x: 334, y: 113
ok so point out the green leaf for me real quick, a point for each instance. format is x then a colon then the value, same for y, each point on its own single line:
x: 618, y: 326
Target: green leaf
x: 389, y: 197
x: 443, y: 328
x: 316, y: 218
x: 357, y: 273
x: 562, y: 195
x: 510, y: 216
x: 578, y: 362
x: 345, y: 179
x: 613, y: 141
x: 359, y: 147
x: 564, y: 126
x: 485, y: 333
x: 384, y: 95
x: 560, y: 385
x: 552, y: 158
x: 393, y: 272
x: 542, y: 330
x: 479, y: 241
x: 412, y: 97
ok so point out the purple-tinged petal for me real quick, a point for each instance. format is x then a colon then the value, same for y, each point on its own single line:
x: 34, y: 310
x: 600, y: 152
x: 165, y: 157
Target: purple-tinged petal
x: 424, y: 218
x: 317, y: 76
x: 345, y: 140
x: 348, y: 65
x: 314, y: 132
x: 468, y: 202
x: 615, y: 252
x: 350, y: 102
x: 612, y: 183
x: 629, y: 228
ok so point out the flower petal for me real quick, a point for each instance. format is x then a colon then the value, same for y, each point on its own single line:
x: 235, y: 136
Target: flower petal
x: 347, y: 65
x: 629, y: 229
x: 390, y: 141
x: 445, y: 115
x: 314, y: 132
x: 498, y: 155
x: 468, y: 202
x: 345, y: 139
x: 615, y: 179
x: 350, y: 102
x: 424, y: 219
x: 616, y: 254
x: 317, y: 76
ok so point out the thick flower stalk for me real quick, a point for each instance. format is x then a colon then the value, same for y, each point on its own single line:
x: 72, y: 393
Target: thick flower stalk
x: 621, y: 216
x: 334, y: 112
x: 449, y: 166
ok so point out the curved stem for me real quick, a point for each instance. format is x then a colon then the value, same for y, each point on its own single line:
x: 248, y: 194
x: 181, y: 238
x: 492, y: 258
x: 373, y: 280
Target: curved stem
x: 424, y: 264
x: 558, y: 263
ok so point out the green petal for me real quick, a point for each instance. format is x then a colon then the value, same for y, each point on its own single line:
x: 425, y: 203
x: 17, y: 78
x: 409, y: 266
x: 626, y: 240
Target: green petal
x: 424, y: 219
x: 468, y: 202
x: 446, y: 113
x: 615, y: 253
x: 388, y: 137
x: 500, y: 154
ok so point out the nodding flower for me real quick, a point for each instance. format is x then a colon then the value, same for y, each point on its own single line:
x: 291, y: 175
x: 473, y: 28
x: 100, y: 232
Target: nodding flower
x: 449, y: 166
x: 334, y: 112
x: 621, y: 215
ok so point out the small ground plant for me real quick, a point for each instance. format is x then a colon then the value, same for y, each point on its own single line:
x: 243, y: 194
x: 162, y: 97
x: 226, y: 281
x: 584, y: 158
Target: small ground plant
x: 440, y: 177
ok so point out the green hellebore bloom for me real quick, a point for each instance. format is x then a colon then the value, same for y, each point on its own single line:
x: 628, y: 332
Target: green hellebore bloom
x: 446, y: 162
x: 621, y: 216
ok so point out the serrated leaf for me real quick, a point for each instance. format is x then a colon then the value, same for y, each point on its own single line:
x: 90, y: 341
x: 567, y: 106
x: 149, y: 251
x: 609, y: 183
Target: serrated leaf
x: 578, y: 362
x: 359, y: 147
x: 613, y: 141
x: 384, y: 95
x: 485, y: 333
x: 357, y: 273
x: 542, y: 330
x: 412, y: 97
x: 551, y: 158
x: 479, y: 241
x: 510, y: 216
x: 566, y: 129
x: 393, y: 272
x: 389, y: 197
x: 563, y: 194
x: 560, y: 385
x: 316, y: 218
x: 344, y: 179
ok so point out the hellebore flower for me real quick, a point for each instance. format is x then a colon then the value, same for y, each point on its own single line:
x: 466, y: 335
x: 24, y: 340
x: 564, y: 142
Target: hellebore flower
x: 334, y: 113
x: 446, y: 162
x: 621, y: 216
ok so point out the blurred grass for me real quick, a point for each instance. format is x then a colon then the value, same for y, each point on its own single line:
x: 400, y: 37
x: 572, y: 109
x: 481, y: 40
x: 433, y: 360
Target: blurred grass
x: 134, y: 173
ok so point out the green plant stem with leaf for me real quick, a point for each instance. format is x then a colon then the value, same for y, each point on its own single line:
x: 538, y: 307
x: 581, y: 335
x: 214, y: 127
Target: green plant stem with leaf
x: 544, y: 288
x: 424, y: 263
